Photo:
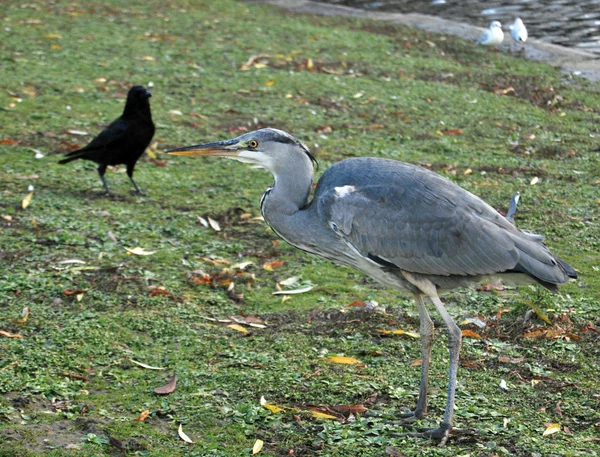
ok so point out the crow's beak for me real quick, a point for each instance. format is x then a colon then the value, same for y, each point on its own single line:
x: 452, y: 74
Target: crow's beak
x: 227, y: 148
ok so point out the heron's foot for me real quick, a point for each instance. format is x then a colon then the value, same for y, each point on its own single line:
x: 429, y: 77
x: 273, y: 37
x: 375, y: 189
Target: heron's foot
x: 138, y: 192
x: 441, y: 434
x: 409, y: 416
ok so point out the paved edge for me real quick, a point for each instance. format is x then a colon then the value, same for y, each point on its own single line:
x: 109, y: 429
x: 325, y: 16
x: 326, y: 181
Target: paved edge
x: 572, y: 61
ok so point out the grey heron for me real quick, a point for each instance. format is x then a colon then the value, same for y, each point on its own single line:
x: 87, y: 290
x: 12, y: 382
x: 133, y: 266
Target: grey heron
x: 405, y: 226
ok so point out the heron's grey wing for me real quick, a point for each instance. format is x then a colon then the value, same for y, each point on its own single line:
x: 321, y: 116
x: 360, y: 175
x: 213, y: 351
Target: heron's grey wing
x: 422, y: 223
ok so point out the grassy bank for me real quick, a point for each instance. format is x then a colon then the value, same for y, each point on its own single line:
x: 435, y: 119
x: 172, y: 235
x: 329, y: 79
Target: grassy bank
x: 495, y: 124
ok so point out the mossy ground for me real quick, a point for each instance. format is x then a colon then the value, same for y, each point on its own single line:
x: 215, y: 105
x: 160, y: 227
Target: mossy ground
x: 347, y: 88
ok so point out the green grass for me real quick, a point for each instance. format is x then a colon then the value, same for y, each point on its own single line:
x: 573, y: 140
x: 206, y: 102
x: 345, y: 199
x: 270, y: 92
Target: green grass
x: 71, y: 381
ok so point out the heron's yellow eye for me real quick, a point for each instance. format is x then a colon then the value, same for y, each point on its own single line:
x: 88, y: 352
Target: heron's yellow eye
x: 253, y: 144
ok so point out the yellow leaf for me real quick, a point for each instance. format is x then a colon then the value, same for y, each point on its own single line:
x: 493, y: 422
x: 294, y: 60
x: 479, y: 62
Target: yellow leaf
x: 183, y: 436
x: 238, y: 327
x: 273, y: 408
x: 53, y: 35
x: 309, y: 64
x: 399, y: 332
x: 470, y: 334
x: 534, y: 181
x: 258, y: 445
x: 270, y: 82
x: 320, y: 415
x: 139, y: 251
x: 27, y: 200
x: 538, y: 311
x: 468, y: 171
x: 24, y: 316
x: 551, y: 429
x: 343, y: 360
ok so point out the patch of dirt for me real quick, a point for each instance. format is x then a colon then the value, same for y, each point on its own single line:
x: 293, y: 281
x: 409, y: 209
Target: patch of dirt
x: 41, y: 437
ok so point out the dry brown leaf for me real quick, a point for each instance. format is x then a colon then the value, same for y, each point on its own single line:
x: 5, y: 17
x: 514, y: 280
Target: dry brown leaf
x: 142, y: 417
x: 416, y: 363
x: 466, y: 333
x: 10, y: 335
x: 343, y: 360
x: 168, y: 388
x: 357, y: 304
x: 183, y: 436
x: 506, y: 359
x: 270, y: 266
x: 69, y: 292
x: 346, y: 410
x: 452, y: 132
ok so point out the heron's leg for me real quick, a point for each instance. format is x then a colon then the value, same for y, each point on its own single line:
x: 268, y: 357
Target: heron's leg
x: 454, y: 342
x: 130, y: 174
x: 101, y: 171
x: 426, y: 329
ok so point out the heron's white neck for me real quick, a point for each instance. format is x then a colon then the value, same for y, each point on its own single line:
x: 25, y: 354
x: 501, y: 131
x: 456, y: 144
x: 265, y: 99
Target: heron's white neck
x: 289, y: 193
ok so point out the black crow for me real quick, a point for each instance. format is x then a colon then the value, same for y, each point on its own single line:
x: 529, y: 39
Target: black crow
x: 124, y: 140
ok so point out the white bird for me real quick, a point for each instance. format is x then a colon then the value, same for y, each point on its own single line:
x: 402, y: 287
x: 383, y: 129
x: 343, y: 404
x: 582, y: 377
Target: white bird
x: 518, y: 31
x: 493, y: 36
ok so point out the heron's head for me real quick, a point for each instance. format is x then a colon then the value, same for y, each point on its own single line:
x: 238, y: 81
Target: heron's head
x: 268, y: 148
x: 495, y: 25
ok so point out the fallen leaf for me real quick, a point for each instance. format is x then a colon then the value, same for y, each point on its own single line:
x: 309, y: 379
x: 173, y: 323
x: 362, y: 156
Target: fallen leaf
x: 258, y: 445
x: 470, y: 334
x: 203, y: 221
x: 168, y: 388
x: 139, y: 251
x: 416, y: 363
x: 320, y: 415
x: 270, y: 82
x: 270, y: 266
x: 290, y: 281
x: 142, y: 417
x: 7, y: 141
x: 214, y: 225
x: 357, y: 303
x: 77, y: 132
x: 506, y: 359
x: 183, y: 436
x: 112, y: 236
x: 69, y: 292
x: 301, y: 290
x: 238, y: 327
x: 538, y: 311
x: 551, y: 429
x: 393, y: 452
x: 349, y: 409
x: 24, y: 316
x: 143, y: 365
x: 10, y: 335
x: 452, y: 132
x: 273, y: 408
x: 534, y: 181
x: 399, y: 332
x: 343, y: 360
x: 27, y: 200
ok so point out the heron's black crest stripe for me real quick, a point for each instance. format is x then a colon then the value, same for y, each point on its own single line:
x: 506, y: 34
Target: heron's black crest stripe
x: 382, y: 262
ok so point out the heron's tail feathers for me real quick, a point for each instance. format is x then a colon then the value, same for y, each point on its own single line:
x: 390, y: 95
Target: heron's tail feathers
x: 536, y: 260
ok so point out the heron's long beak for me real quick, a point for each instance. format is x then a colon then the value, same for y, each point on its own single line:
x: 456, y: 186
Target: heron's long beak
x: 227, y: 148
